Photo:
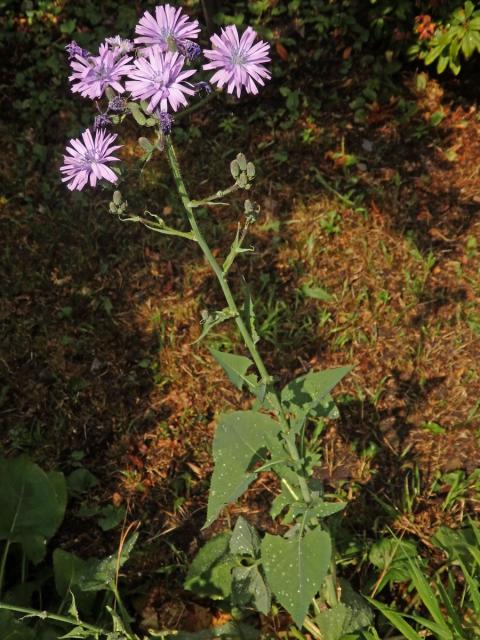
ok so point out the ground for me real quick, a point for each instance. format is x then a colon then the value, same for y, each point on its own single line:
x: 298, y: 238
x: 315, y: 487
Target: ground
x: 366, y: 252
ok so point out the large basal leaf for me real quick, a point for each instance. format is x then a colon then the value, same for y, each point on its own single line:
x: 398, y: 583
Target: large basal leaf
x: 239, y: 439
x: 209, y: 575
x: 235, y: 367
x: 295, y: 569
x: 32, y: 505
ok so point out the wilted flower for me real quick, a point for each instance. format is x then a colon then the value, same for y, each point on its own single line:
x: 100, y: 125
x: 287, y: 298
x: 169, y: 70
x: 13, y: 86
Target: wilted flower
x: 190, y: 50
x: 117, y: 103
x: 166, y: 122
x: 73, y: 49
x: 167, y: 30
x: 203, y: 86
x: 87, y: 160
x: 238, y: 62
x: 120, y: 46
x: 159, y: 79
x: 101, y: 121
x: 94, y: 74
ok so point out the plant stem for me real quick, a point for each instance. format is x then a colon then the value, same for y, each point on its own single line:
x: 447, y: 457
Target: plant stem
x: 45, y: 615
x: 249, y: 343
x: 4, y: 564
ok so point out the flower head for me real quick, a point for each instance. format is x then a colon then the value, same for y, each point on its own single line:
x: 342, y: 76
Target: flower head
x: 167, y: 30
x: 238, y: 62
x: 120, y: 46
x: 73, y: 49
x: 87, y: 160
x: 92, y: 75
x: 160, y: 80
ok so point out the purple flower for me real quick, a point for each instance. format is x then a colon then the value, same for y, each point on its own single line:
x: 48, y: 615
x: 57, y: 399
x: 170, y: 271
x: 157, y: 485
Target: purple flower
x: 94, y: 74
x: 159, y: 79
x: 167, y: 30
x: 238, y: 62
x: 120, y: 46
x: 87, y: 160
x: 73, y: 49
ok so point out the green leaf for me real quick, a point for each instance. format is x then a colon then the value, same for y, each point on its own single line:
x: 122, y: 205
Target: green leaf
x: 32, y: 505
x: 209, y: 575
x: 110, y: 517
x: 80, y: 481
x: 146, y: 144
x: 309, y: 394
x: 210, y: 320
x: 396, y: 619
x: 391, y: 556
x: 98, y: 575
x: 245, y: 539
x: 239, y: 440
x: 317, y: 293
x: 295, y: 569
x: 249, y: 586
x: 67, y: 570
x: 234, y: 366
x: 136, y: 112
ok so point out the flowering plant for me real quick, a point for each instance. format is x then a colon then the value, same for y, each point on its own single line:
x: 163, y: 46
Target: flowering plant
x: 156, y: 73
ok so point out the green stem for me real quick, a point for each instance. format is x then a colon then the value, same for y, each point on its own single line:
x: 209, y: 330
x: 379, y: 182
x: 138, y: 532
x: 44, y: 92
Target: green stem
x: 4, y: 564
x: 45, y: 615
x: 215, y: 196
x: 249, y: 343
x: 158, y: 228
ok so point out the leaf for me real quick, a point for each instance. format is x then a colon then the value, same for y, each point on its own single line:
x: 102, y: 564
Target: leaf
x: 245, y: 539
x: 239, y: 439
x: 317, y: 293
x: 209, y: 575
x: 234, y: 366
x: 80, y: 481
x: 210, y: 320
x: 67, y: 570
x: 348, y: 616
x: 295, y: 569
x: 111, y: 517
x: 32, y: 505
x: 249, y: 586
x: 136, y: 112
x: 309, y: 394
x: 146, y: 144
x: 98, y: 575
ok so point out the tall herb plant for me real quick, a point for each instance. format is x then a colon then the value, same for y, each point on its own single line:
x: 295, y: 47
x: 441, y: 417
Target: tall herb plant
x: 156, y: 73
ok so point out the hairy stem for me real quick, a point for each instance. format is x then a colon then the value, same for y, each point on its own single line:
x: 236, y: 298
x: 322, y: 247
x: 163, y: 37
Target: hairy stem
x: 45, y: 615
x: 249, y: 343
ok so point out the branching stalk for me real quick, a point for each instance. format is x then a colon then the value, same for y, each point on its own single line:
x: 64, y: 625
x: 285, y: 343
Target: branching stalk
x: 249, y: 343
